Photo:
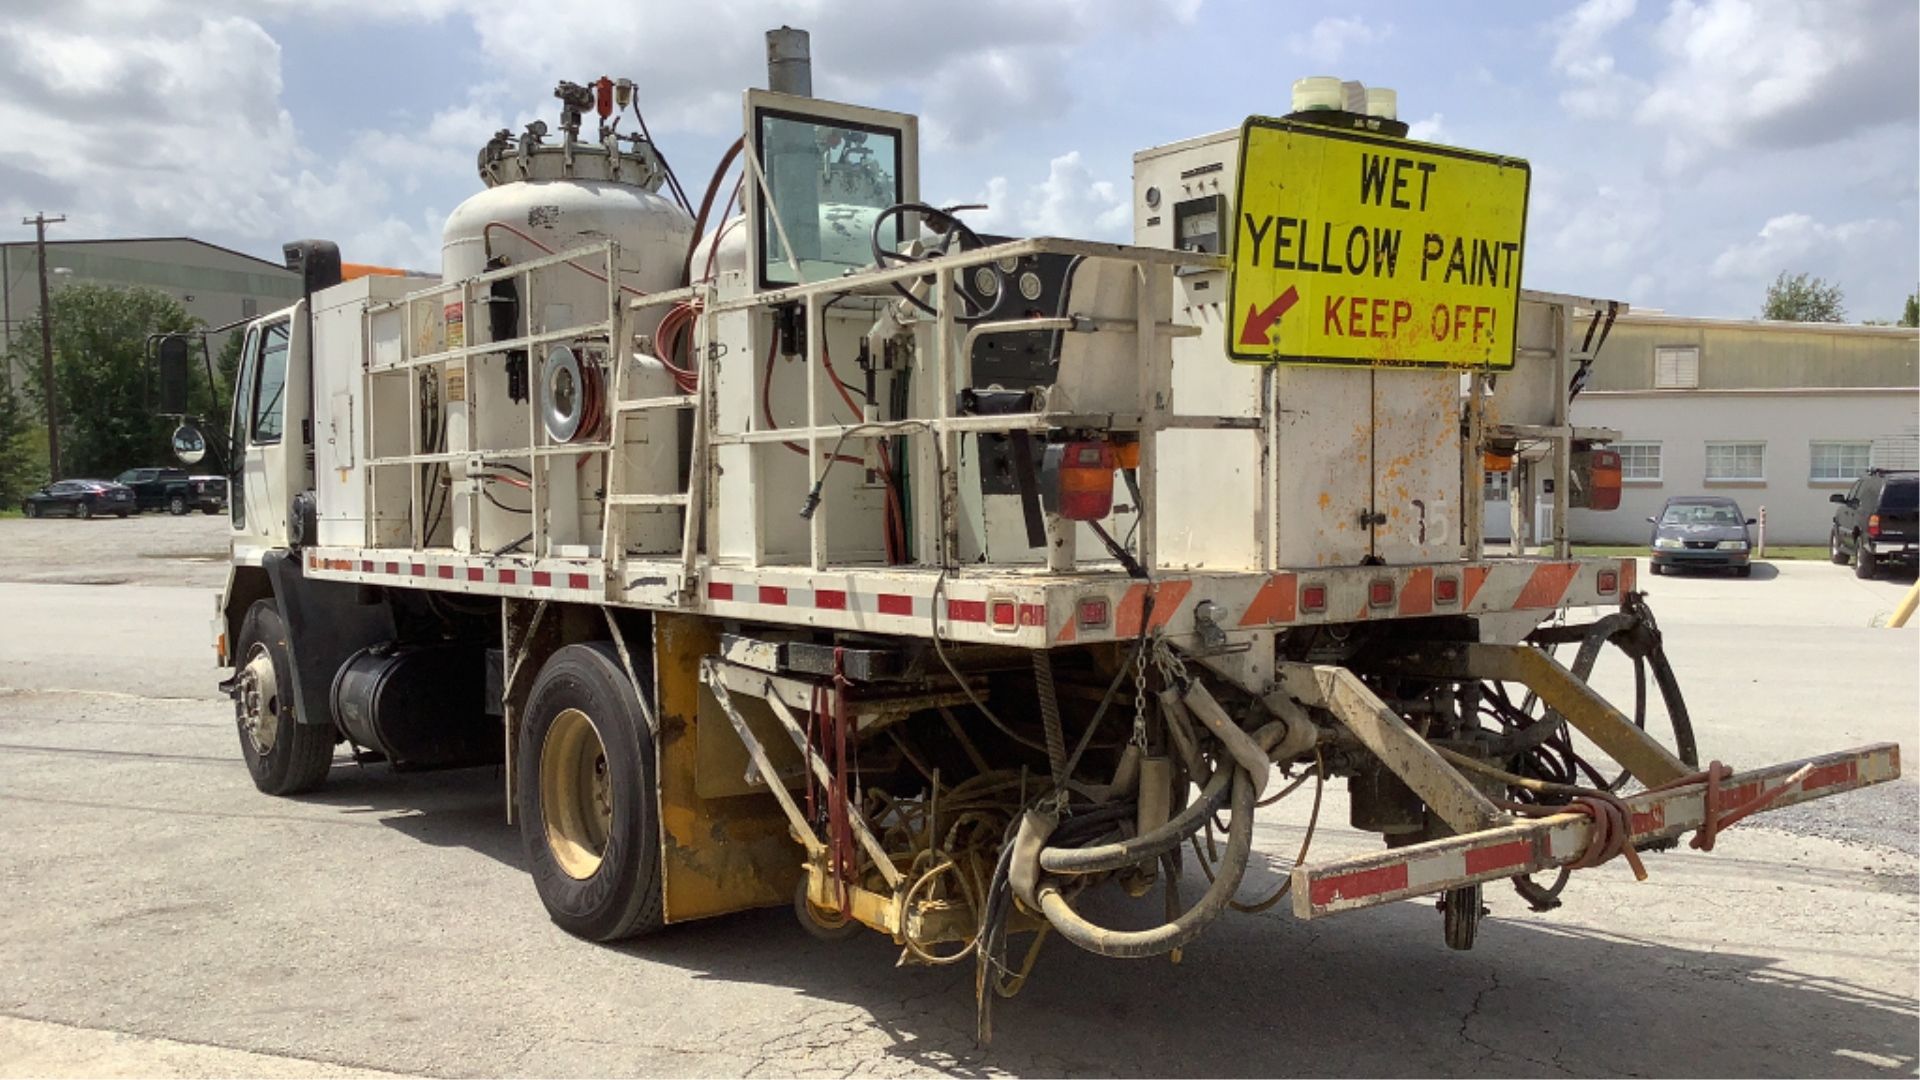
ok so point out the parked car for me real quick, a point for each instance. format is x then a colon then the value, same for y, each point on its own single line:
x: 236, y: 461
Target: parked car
x: 80, y: 498
x: 1876, y: 520
x: 1701, y: 531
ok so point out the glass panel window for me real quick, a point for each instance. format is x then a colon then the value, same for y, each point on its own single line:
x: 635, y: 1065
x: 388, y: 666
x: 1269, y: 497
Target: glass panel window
x: 1676, y: 367
x: 1736, y: 461
x: 1838, y: 460
x: 1639, y: 461
x: 269, y: 394
x: 829, y: 184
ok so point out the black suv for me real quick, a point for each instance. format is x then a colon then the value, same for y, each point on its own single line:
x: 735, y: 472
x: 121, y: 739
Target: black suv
x: 1876, y: 520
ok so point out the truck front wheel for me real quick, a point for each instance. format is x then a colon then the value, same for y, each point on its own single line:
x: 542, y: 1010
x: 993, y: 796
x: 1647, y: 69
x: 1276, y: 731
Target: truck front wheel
x: 176, y: 505
x: 585, y: 797
x: 285, y: 756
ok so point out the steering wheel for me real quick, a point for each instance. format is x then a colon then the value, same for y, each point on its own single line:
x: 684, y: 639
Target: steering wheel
x: 956, y: 230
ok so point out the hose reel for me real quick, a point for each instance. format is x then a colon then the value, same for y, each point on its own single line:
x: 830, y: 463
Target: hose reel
x: 572, y: 395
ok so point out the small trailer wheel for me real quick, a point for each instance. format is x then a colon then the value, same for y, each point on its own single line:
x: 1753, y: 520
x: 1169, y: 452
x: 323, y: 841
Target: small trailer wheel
x: 586, y: 797
x: 1462, y: 911
x: 821, y: 923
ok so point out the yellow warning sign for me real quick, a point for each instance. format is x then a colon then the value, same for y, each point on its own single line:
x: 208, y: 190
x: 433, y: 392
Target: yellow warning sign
x: 1355, y: 248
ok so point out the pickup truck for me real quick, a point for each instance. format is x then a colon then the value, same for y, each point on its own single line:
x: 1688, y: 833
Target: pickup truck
x: 175, y: 491
x: 1876, y: 520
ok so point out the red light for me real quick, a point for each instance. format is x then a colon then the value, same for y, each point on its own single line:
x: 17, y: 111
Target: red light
x: 1086, y: 481
x: 1609, y: 582
x: 1093, y: 613
x: 1446, y: 590
x: 1873, y: 525
x: 1380, y: 592
x: 1313, y: 598
x: 1003, y: 613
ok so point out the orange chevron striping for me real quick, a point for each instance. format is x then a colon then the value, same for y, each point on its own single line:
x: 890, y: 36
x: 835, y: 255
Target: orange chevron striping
x: 1166, y: 601
x: 1416, y: 596
x: 1547, y: 585
x: 1277, y: 602
x: 1470, y: 581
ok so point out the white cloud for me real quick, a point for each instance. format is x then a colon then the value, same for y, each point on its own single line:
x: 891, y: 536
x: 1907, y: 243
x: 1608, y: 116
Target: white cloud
x: 1069, y: 202
x: 1432, y: 129
x: 1796, y: 242
x: 1328, y: 40
x: 1772, y: 73
x: 1581, y: 53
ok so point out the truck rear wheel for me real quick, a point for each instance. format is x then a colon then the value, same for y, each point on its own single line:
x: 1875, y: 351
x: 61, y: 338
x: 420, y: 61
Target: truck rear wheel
x: 586, y: 797
x: 284, y: 755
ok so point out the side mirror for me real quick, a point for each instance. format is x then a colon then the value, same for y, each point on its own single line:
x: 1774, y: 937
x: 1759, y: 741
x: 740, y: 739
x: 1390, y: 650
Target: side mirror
x: 172, y: 360
x: 1650, y: 521
x: 189, y: 445
x: 1753, y: 521
x: 1837, y: 497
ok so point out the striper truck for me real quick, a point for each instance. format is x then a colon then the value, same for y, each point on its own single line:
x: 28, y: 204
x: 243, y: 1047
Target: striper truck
x: 803, y: 545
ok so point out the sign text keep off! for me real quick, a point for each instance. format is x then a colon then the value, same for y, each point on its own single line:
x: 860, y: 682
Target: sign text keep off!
x: 1362, y: 249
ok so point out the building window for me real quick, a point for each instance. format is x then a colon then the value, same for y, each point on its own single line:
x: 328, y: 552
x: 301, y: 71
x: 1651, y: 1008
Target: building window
x: 1639, y: 460
x: 1676, y: 367
x: 249, y: 307
x: 1736, y: 461
x: 1839, y: 460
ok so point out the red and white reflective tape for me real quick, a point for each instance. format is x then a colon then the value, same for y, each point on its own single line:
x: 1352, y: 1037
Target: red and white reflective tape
x: 1546, y: 843
x: 1003, y: 613
x: 466, y: 575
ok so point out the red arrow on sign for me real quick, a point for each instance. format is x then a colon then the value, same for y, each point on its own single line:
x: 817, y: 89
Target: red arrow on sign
x: 1259, y: 322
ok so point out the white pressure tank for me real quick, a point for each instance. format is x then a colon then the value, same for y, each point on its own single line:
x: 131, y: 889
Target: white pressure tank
x: 544, y: 198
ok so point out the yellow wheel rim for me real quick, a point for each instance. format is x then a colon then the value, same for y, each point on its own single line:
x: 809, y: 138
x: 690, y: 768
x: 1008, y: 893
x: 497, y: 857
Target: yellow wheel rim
x: 576, y: 794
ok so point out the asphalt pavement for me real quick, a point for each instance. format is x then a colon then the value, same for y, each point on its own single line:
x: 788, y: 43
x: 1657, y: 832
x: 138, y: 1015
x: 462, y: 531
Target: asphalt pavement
x: 162, y: 917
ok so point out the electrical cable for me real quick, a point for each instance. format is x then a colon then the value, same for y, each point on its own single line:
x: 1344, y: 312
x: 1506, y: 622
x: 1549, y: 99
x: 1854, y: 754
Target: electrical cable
x: 594, y: 274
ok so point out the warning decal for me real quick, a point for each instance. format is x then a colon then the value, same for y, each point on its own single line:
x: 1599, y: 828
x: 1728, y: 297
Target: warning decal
x: 1360, y: 249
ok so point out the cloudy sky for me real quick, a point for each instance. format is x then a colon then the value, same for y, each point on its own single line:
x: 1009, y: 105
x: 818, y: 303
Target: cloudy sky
x: 1684, y: 151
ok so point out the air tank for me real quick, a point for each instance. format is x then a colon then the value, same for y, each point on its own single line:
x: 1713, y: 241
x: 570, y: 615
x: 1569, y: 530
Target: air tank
x: 545, y: 197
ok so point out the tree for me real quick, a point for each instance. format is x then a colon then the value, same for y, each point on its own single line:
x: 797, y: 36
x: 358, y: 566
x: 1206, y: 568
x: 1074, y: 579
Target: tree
x: 101, y: 374
x: 1799, y: 298
x: 1910, y: 316
x: 23, y: 449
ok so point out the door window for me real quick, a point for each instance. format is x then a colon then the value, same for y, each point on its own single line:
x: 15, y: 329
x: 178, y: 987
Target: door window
x: 270, y: 384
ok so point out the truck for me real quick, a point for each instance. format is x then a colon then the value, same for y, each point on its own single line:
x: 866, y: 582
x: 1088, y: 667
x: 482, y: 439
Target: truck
x: 805, y: 546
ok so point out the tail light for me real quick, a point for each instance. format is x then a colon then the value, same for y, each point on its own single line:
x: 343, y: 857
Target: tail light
x: 1313, y: 598
x: 1873, y: 526
x: 1086, y: 481
x: 1604, y: 488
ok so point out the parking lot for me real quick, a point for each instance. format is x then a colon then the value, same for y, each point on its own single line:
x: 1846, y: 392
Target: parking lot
x: 163, y: 917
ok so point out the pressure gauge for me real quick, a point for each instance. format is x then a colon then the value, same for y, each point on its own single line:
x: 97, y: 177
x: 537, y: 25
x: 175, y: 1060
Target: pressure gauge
x: 1030, y: 285
x: 1010, y: 264
x: 985, y: 281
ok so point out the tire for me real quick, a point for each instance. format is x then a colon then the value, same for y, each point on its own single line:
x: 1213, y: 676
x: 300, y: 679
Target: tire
x: 1462, y: 911
x: 586, y: 797
x: 177, y: 505
x: 1743, y: 571
x: 1835, y: 554
x: 210, y: 510
x: 1657, y: 569
x: 1865, y: 565
x: 290, y: 757
x: 122, y: 514
x: 84, y: 511
x: 33, y: 510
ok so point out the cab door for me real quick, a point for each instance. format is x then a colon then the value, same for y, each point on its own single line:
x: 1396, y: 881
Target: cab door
x: 268, y: 411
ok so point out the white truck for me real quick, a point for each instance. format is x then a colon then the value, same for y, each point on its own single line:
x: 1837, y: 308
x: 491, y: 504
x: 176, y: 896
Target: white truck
x: 829, y: 553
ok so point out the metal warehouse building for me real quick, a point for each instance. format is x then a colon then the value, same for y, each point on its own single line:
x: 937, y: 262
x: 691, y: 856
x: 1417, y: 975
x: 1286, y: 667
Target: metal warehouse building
x: 1773, y: 414
x: 216, y: 284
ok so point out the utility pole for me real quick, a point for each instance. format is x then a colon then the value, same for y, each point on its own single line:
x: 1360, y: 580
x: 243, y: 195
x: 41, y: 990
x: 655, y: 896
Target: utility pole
x: 40, y: 222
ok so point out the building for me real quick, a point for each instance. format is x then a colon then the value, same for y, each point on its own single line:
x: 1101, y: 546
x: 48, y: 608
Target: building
x: 1771, y: 414
x: 216, y: 284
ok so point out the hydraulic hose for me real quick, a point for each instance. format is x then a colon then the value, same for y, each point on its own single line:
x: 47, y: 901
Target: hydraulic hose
x: 1134, y: 944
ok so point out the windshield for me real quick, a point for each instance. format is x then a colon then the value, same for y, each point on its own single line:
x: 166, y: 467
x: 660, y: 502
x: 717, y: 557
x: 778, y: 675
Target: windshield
x: 1701, y: 514
x: 1901, y: 495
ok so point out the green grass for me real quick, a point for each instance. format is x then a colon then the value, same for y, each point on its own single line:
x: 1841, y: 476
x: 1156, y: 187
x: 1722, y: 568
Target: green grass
x: 1788, y: 552
x: 11, y: 512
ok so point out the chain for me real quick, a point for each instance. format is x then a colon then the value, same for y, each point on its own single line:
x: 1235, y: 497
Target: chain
x: 1140, y: 699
